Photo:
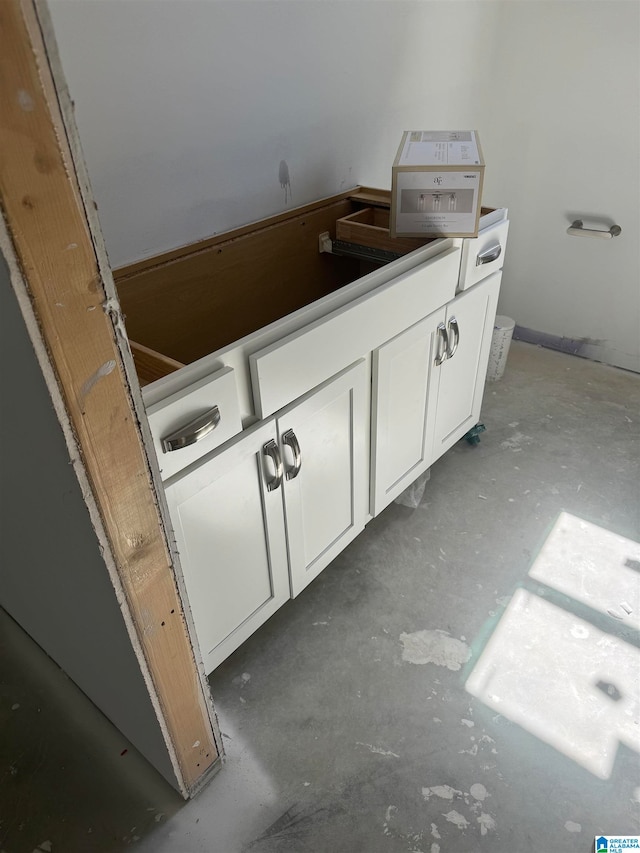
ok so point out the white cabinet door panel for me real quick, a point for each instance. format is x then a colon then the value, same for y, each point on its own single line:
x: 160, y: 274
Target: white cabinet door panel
x: 285, y: 370
x: 326, y: 502
x: 462, y: 376
x: 401, y: 420
x: 231, y: 540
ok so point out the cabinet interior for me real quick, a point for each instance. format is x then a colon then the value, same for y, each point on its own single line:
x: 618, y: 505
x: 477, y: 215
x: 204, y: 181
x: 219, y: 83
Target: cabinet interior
x: 187, y: 303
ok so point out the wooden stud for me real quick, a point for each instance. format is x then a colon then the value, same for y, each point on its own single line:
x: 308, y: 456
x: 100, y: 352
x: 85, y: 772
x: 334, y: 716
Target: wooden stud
x: 73, y: 302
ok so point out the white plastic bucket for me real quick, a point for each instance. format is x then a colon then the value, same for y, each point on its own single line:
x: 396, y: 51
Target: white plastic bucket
x: 502, y: 333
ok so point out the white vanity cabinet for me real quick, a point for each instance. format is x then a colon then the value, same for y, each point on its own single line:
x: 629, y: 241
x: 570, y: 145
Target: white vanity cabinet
x: 325, y: 449
x: 230, y: 535
x: 465, y: 333
x: 427, y: 389
x: 256, y: 521
x: 402, y: 414
x: 281, y: 431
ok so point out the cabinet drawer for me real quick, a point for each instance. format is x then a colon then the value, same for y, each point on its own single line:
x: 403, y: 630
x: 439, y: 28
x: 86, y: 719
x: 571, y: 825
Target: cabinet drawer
x: 287, y: 369
x: 484, y: 254
x: 194, y: 421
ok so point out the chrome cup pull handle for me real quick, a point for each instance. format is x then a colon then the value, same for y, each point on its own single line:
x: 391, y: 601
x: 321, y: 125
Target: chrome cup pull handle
x: 442, y: 345
x: 271, y: 451
x: 455, y: 328
x: 190, y: 433
x: 290, y: 440
x: 488, y: 255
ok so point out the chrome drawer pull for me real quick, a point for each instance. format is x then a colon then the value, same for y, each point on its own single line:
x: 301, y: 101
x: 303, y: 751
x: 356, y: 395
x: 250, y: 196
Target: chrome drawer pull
x: 289, y: 438
x: 488, y: 255
x: 195, y: 430
x: 270, y: 449
x: 441, y: 351
x: 453, y: 324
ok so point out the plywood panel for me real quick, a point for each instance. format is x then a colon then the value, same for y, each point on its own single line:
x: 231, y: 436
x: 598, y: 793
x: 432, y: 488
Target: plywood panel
x: 151, y: 365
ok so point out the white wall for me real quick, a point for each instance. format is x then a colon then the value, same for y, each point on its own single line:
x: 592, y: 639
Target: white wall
x: 562, y: 125
x: 187, y: 109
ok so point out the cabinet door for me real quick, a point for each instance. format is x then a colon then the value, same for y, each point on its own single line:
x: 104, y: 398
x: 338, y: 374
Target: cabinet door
x: 461, y: 376
x: 401, y: 419
x: 230, y: 535
x: 324, y: 440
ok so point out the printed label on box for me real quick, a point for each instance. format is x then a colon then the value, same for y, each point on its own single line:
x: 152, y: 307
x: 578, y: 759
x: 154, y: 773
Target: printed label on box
x: 446, y: 201
x: 433, y: 147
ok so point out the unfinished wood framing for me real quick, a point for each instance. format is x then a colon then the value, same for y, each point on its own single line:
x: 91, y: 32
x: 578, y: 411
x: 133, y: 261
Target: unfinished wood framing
x: 72, y: 299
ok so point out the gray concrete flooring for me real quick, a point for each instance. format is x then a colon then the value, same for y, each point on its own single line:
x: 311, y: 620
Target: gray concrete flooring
x: 462, y: 678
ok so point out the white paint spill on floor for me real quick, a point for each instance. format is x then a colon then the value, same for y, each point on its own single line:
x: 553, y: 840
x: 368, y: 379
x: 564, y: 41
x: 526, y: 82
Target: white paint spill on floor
x: 486, y: 822
x: 570, y: 826
x: 478, y: 791
x: 434, y: 831
x: 438, y: 647
x: 391, y: 811
x: 446, y: 792
x: 435, y: 847
x: 241, y: 680
x: 580, y: 632
x: 456, y: 819
x: 515, y: 441
x: 377, y: 749
x: 468, y: 723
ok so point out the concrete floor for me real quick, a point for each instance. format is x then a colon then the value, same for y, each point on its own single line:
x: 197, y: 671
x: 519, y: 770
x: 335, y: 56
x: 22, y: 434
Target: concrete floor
x: 464, y: 677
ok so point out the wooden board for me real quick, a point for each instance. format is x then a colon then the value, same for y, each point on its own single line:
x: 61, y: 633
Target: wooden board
x: 372, y: 196
x: 52, y: 241
x: 370, y: 227
x: 151, y: 365
x: 191, y: 302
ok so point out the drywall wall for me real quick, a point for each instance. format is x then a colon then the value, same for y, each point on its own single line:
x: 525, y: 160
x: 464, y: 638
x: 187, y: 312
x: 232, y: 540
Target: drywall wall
x: 54, y: 582
x: 199, y: 116
x: 561, y: 125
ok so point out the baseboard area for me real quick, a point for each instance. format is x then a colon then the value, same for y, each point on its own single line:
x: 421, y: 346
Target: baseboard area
x: 595, y: 350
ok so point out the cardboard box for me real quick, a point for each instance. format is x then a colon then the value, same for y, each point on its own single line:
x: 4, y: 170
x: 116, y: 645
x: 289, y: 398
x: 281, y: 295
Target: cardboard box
x: 436, y: 187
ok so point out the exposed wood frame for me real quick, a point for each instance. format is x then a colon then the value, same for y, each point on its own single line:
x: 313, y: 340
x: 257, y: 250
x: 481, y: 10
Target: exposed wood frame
x: 59, y: 269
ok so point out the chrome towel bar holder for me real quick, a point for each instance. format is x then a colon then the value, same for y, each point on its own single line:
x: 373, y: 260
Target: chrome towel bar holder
x: 577, y: 229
